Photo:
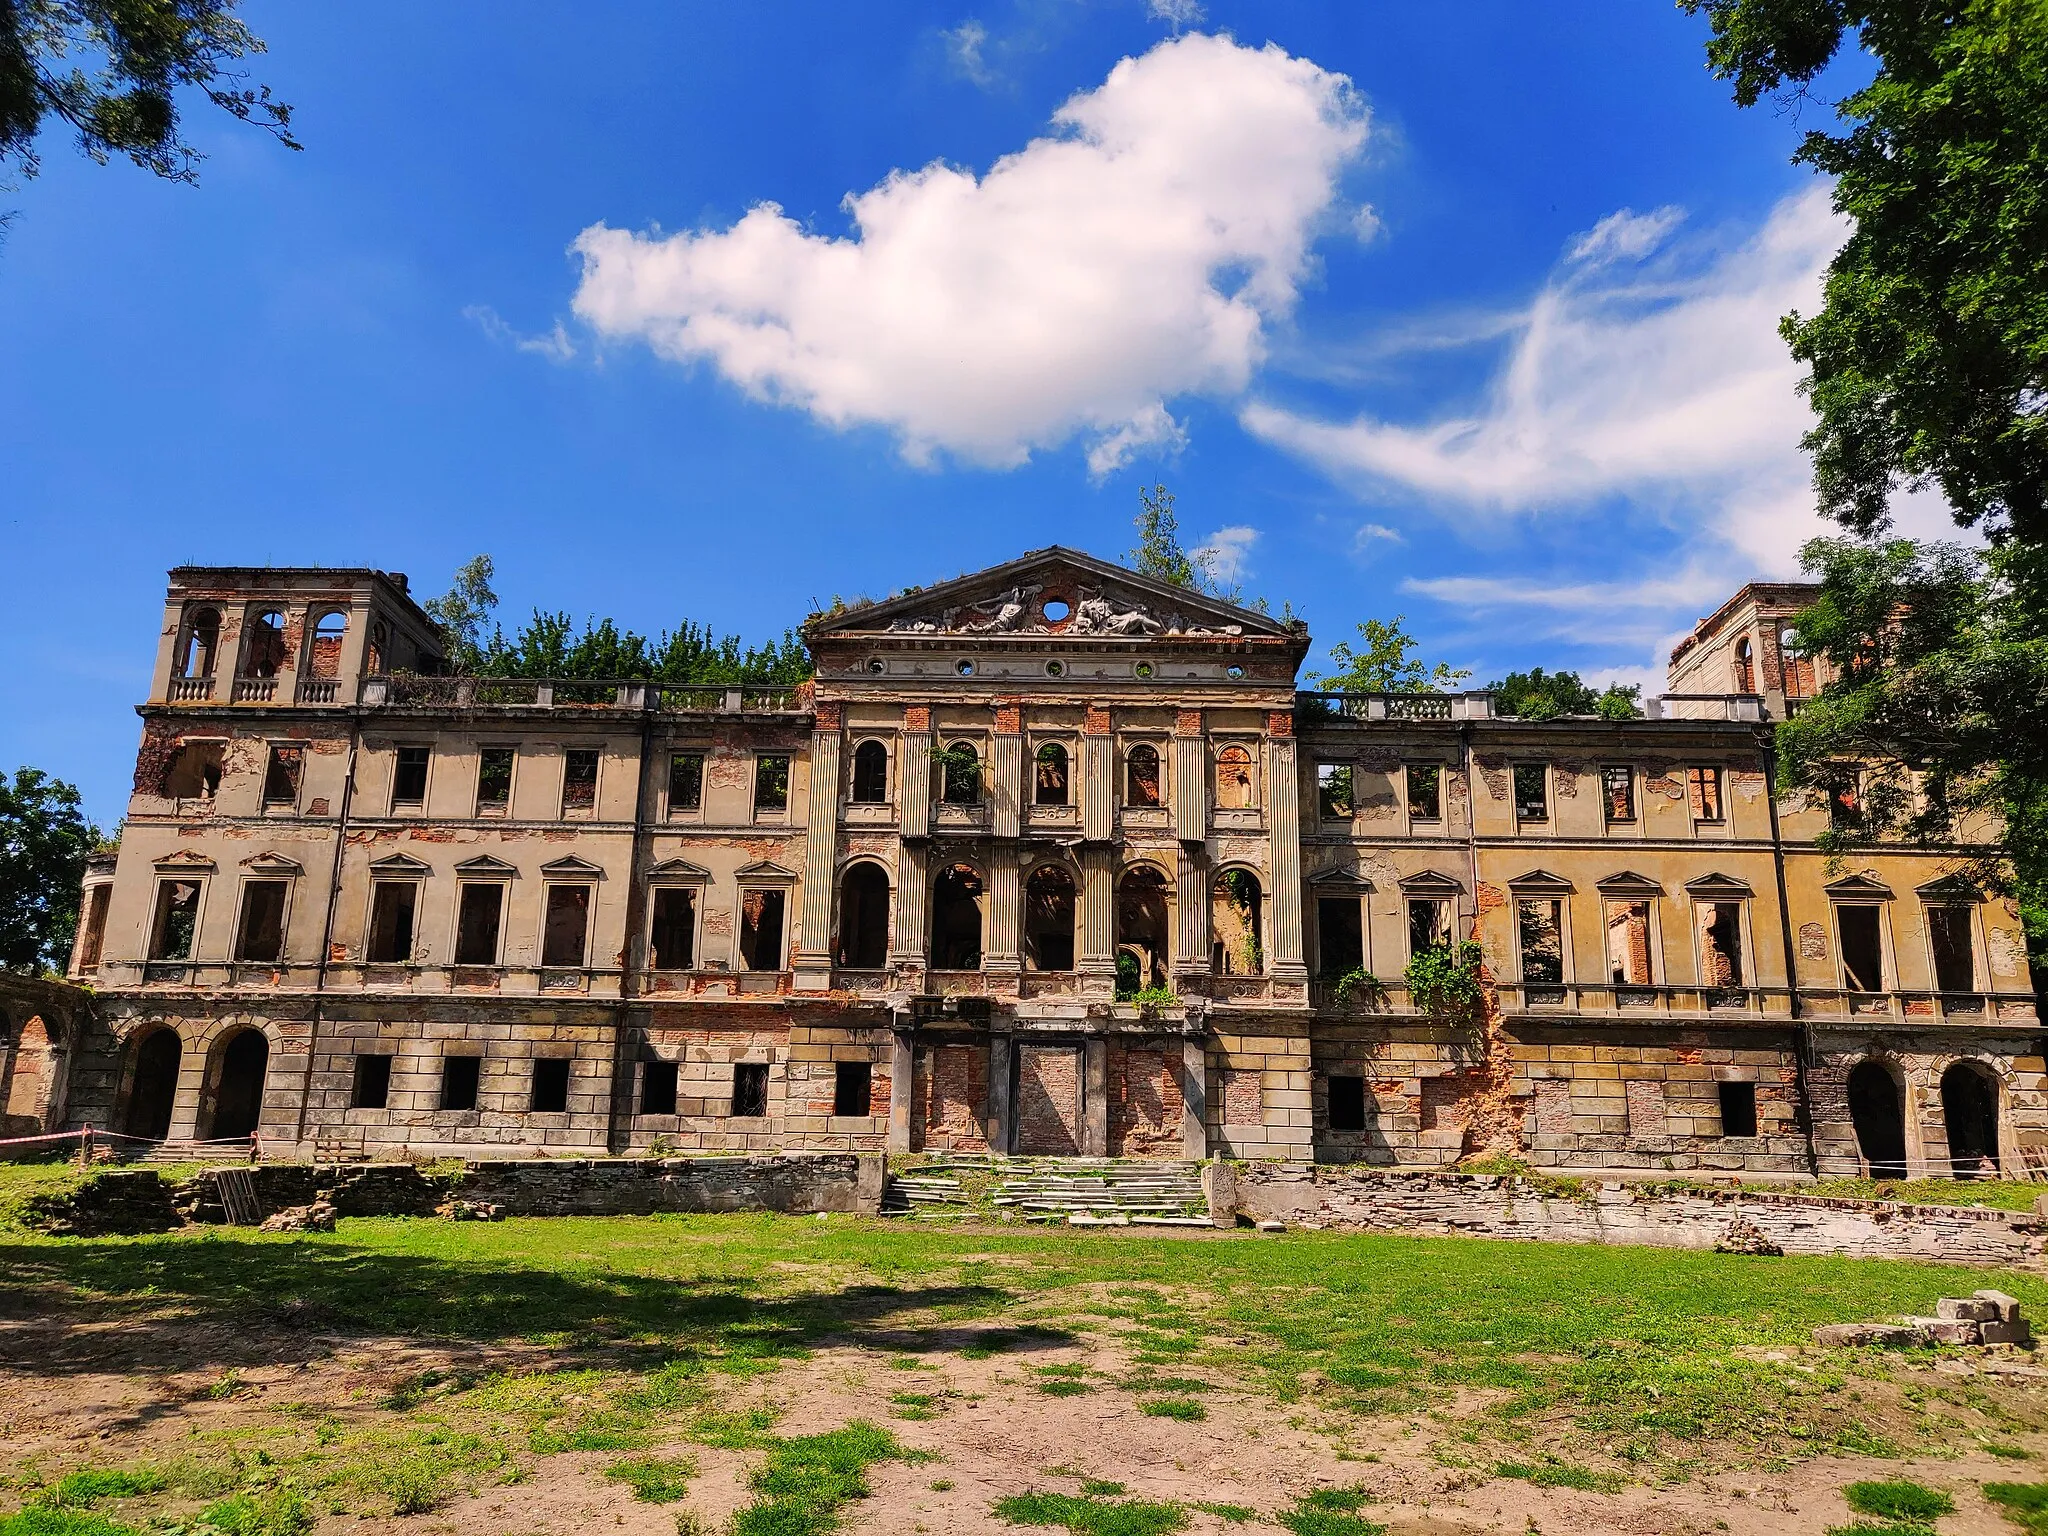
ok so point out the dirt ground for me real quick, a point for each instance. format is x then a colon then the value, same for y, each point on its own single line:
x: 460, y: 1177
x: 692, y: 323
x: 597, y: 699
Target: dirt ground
x: 117, y: 1394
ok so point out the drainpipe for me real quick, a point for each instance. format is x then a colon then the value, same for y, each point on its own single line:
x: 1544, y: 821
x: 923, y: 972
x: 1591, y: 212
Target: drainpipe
x: 348, y: 790
x: 1768, y: 740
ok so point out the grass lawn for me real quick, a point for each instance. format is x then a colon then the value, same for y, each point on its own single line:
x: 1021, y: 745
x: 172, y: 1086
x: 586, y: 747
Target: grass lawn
x: 1508, y: 1354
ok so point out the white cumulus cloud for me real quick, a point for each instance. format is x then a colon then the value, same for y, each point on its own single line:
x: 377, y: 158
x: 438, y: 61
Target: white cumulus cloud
x: 1135, y: 254
x: 1225, y: 555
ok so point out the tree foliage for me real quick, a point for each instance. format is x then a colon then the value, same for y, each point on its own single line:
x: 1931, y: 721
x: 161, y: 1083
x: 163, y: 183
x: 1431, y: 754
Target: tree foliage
x: 112, y: 71
x: 1928, y: 359
x: 1540, y: 695
x: 44, y: 840
x: 1159, y: 553
x: 1382, y: 664
x: 553, y: 645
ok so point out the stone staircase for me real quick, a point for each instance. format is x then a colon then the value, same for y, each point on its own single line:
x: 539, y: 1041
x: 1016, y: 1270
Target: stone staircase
x: 1079, y: 1191
x: 164, y: 1152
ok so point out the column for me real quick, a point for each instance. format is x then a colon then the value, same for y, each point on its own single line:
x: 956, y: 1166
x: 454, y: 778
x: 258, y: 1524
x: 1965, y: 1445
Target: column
x: 902, y: 1086
x: 1098, y: 778
x: 1098, y: 909
x: 1095, y: 1097
x: 1194, y: 1089
x: 1002, y: 949
x: 1191, y: 912
x: 913, y: 902
x: 1007, y: 788
x: 1000, y: 953
x: 813, y: 960
x: 914, y: 773
x: 1283, y: 793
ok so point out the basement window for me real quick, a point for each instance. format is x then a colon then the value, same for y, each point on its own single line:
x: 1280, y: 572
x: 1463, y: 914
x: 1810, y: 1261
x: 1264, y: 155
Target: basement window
x: 1738, y: 1108
x: 281, y: 778
x: 579, y: 781
x: 372, y: 1086
x: 657, y: 1087
x: 1347, y: 1103
x: 551, y: 1085
x: 750, y: 1090
x: 460, y: 1076
x: 852, y: 1083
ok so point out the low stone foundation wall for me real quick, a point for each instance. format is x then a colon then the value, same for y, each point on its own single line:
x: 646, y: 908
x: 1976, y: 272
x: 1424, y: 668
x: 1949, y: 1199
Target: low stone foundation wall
x: 1609, y: 1211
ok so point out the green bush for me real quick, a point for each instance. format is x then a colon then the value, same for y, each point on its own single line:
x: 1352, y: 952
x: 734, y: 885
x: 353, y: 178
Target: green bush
x: 1443, y: 980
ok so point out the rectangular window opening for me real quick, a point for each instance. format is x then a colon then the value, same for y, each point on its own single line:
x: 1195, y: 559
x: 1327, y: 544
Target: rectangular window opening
x: 1347, y: 1103
x: 478, y: 916
x: 1429, y: 925
x: 1532, y: 791
x: 685, y: 782
x: 579, y: 780
x: 761, y: 929
x: 1862, y: 948
x: 1738, y: 1108
x: 281, y: 778
x: 409, y: 778
x: 852, y: 1082
x: 494, y: 781
x: 372, y: 1086
x: 1703, y: 786
x: 1333, y: 790
x: 1845, y: 803
x: 1051, y: 775
x: 177, y: 919
x: 674, y: 935
x: 1721, y: 943
x: 1425, y: 791
x: 392, y: 905
x: 1628, y: 943
x: 1955, y: 960
x: 657, y: 1087
x: 551, y: 1085
x: 1618, y: 787
x: 96, y: 901
x: 1340, y: 935
x: 1541, y: 924
x: 771, y: 786
x: 261, y: 941
x: 750, y: 1089
x: 460, y: 1076
x: 564, y: 940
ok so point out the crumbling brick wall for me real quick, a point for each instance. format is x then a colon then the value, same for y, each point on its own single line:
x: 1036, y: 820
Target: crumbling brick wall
x: 1146, y: 1104
x: 950, y: 1099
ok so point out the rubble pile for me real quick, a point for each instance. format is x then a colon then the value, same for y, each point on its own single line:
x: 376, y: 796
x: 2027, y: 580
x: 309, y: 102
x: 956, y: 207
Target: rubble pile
x: 1983, y: 1317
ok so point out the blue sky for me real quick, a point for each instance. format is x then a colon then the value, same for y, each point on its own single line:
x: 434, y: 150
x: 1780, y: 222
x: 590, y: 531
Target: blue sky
x: 1462, y: 311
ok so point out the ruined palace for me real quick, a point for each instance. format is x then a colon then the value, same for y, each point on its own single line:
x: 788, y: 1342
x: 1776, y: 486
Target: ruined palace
x: 1052, y: 859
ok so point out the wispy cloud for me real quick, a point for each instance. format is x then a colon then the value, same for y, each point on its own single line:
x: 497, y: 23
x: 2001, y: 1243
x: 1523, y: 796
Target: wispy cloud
x: 1178, y: 15
x: 1371, y: 534
x: 1226, y: 553
x: 553, y: 345
x: 1693, y: 586
x: 964, y: 45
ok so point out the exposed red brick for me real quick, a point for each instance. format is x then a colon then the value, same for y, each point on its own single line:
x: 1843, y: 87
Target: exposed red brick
x: 1145, y: 1103
x: 917, y: 717
x: 830, y: 715
x: 1048, y: 1100
x: 1095, y: 722
x: 1009, y: 718
x: 950, y: 1100
x: 1188, y: 722
x: 1279, y: 722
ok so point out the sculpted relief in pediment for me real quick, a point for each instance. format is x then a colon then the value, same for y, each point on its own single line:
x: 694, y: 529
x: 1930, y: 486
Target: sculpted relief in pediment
x: 1032, y: 609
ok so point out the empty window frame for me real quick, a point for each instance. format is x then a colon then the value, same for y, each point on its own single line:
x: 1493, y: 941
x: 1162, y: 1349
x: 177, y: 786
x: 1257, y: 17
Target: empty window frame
x: 194, y: 770
x: 550, y: 1085
x: 176, y: 922
x: 1532, y: 792
x: 852, y: 1087
x: 1334, y: 796
x: 1340, y: 936
x: 1236, y: 928
x: 1539, y: 925
x: 579, y: 781
x: 672, y: 935
x: 1860, y: 926
x: 1049, y: 909
x: 1429, y: 924
x: 1236, y: 789
x: 1795, y: 665
x: 460, y: 1077
x: 1141, y: 777
x: 870, y: 774
x: 409, y: 776
x: 1703, y: 788
x: 1720, y: 937
x: 1628, y: 944
x: 259, y: 939
x: 1951, y: 937
x: 1049, y: 780
x: 323, y: 650
x: 1845, y: 800
x: 565, y: 930
x: 1745, y: 666
x: 494, y: 780
x: 201, y: 641
x: 1618, y: 791
x: 394, y: 906
x: 762, y: 912
x: 263, y: 643
x: 479, y: 921
x: 1425, y: 786
x: 1347, y: 1102
x: 685, y: 783
x: 94, y: 927
x: 960, y: 774
x: 371, y: 1087
x: 281, y: 776
x: 750, y: 1089
x: 1738, y: 1108
x: 771, y: 785
x: 657, y: 1087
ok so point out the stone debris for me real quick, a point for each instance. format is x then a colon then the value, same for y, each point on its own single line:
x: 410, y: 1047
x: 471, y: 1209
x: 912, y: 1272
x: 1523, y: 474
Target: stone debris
x: 317, y: 1217
x: 1744, y: 1236
x: 469, y: 1210
x: 1985, y: 1317
x: 1272, y: 1226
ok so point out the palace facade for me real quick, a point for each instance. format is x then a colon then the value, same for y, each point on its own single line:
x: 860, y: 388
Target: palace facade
x: 1052, y: 859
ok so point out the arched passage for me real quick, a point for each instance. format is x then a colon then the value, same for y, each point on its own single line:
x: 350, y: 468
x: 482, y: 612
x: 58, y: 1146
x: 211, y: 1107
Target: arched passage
x: 956, y: 920
x: 1878, y: 1112
x: 1969, y: 1106
x: 1236, y: 936
x: 1049, y: 919
x: 864, y: 917
x: 1143, y: 921
x: 238, y: 1087
x: 153, y: 1085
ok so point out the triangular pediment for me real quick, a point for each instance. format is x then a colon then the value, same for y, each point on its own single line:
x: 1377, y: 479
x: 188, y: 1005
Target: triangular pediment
x: 1340, y: 879
x: 1049, y: 592
x: 399, y: 864
x: 484, y: 864
x: 1628, y: 883
x: 1541, y: 882
x: 1718, y: 885
x: 572, y: 868
x: 1950, y: 888
x: 762, y: 869
x: 678, y: 869
x: 273, y: 864
x: 1429, y: 883
x: 1858, y: 888
x: 185, y: 861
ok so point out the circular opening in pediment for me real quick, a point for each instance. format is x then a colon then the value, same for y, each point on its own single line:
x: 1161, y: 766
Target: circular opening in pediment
x: 1144, y: 669
x: 1233, y: 671
x: 1055, y: 669
x: 964, y: 668
x: 876, y: 664
x: 1057, y: 610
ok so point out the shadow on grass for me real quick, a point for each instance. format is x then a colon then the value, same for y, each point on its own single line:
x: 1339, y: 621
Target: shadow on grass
x: 195, y: 1304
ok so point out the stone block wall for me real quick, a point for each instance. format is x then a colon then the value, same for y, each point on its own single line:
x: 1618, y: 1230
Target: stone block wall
x: 1261, y: 1095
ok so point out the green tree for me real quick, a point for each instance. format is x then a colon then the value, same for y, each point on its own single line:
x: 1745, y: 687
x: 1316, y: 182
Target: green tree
x: 112, y: 72
x: 463, y: 611
x: 1929, y: 355
x: 44, y: 840
x: 1381, y: 664
x: 1159, y: 553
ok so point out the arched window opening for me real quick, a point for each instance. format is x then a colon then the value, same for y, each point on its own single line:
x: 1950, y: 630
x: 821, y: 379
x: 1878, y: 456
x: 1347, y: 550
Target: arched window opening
x: 1969, y: 1107
x: 201, y: 643
x: 1051, y: 783
x: 1141, y: 776
x: 864, y: 918
x: 1795, y: 664
x: 1143, y: 921
x: 28, y: 1089
x: 1878, y: 1114
x: 870, y: 773
x: 956, y: 920
x: 961, y: 766
x: 153, y: 1085
x: 1235, y: 934
x: 1234, y: 788
x: 263, y: 644
x: 323, y: 656
x: 1049, y: 919
x: 238, y: 1087
x: 1745, y: 666
x: 379, y: 649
